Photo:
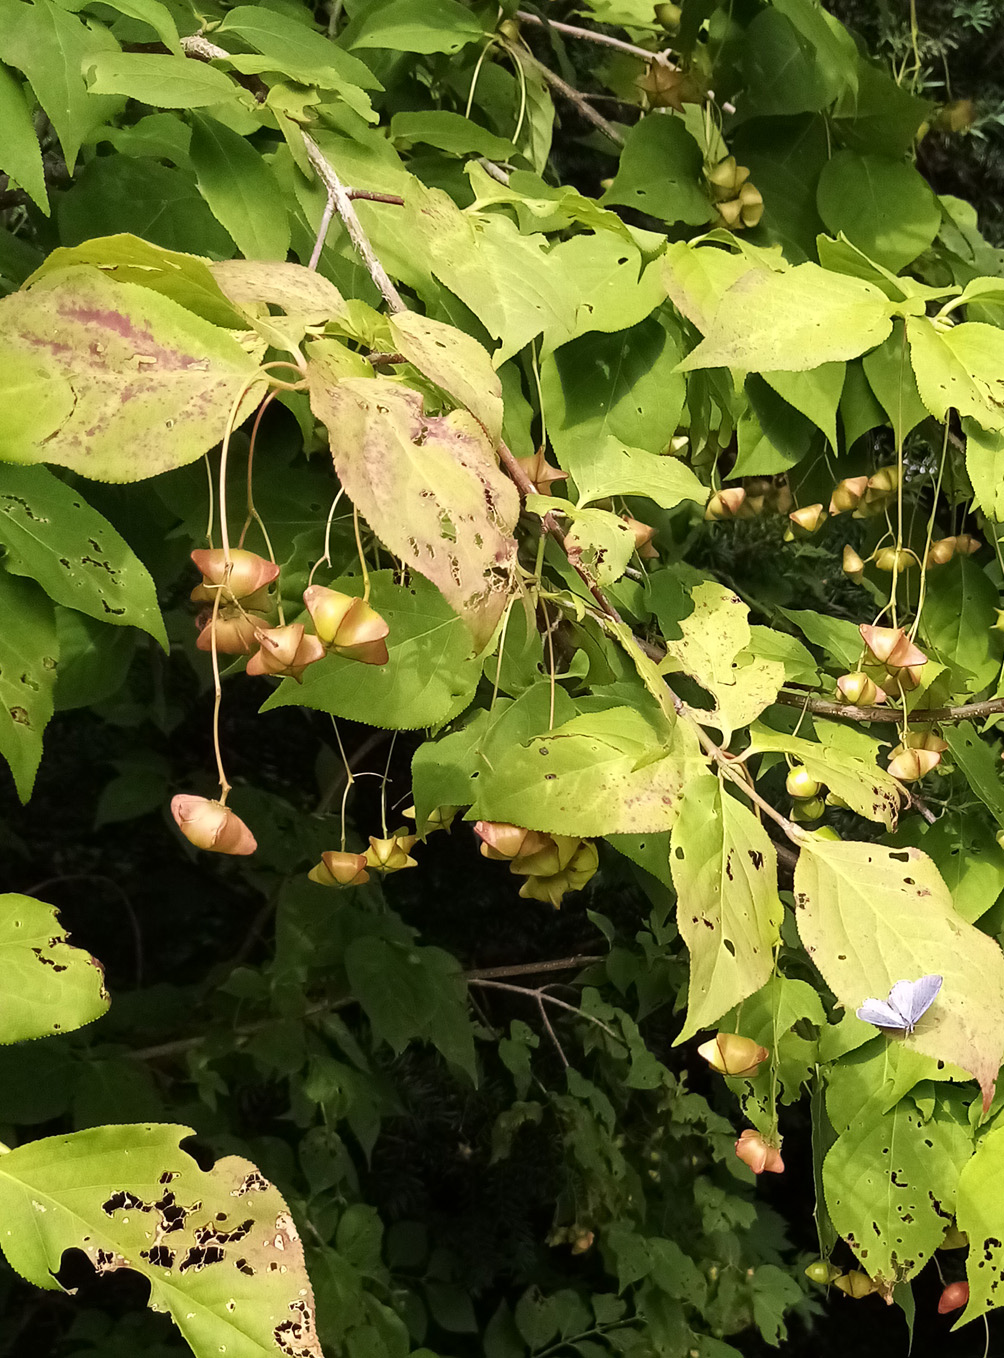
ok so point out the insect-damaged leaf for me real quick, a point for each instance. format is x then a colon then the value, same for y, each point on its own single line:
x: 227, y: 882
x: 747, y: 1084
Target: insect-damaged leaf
x: 28, y: 650
x: 890, y: 1185
x: 429, y: 487
x: 47, y: 985
x: 866, y: 788
x: 980, y: 1211
x: 725, y: 872
x: 124, y: 383
x: 454, y: 361
x: 870, y: 916
x: 220, y: 1249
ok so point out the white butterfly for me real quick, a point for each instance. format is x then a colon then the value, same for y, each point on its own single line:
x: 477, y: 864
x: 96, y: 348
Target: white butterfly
x: 908, y: 1001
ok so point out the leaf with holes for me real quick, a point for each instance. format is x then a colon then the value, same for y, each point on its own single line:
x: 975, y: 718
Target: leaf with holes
x: 138, y: 385
x: 870, y: 916
x: 219, y: 1248
x: 454, y: 361
x: 866, y: 788
x: 429, y: 487
x: 959, y: 369
x: 48, y: 986
x: 890, y: 1185
x: 711, y: 650
x: 52, y: 535
x: 980, y: 1210
x: 729, y: 914
x: 28, y: 653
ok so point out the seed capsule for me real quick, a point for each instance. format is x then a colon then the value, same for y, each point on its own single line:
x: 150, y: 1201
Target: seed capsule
x: 733, y: 1055
x: 953, y: 1298
x: 754, y: 1151
x: 210, y: 825
x: 340, y: 869
x: 852, y: 563
x: 847, y: 494
x: 801, y: 785
x: 810, y: 518
x: 859, y: 690
x: 724, y: 504
x: 856, y: 1284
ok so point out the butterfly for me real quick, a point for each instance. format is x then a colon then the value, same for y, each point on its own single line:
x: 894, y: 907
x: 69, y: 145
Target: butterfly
x: 908, y: 1001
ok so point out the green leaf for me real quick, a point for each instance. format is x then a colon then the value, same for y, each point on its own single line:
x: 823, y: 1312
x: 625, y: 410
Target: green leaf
x: 20, y: 155
x: 792, y: 322
x: 601, y: 542
x: 960, y: 609
x: 428, y: 485
x: 162, y: 82
x: 430, y: 675
x: 711, y: 650
x: 958, y: 369
x: 603, y: 773
x: 815, y: 394
x: 867, y: 789
x: 966, y: 853
x: 621, y: 386
x: 985, y: 465
x: 884, y: 206
x: 782, y: 70
x: 660, y: 173
x: 890, y: 376
x: 785, y: 156
x: 511, y: 282
x: 450, y: 132
x: 415, y: 26
x: 729, y: 914
x: 979, y: 763
x: 53, y: 48
x: 838, y: 637
x: 48, y: 985
x: 869, y: 916
x: 777, y: 1017
x: 890, y: 1183
x: 240, y: 188
x: 218, y: 1248
x: 50, y: 533
x: 978, y: 1213
x: 860, y: 411
x: 149, y: 385
x: 298, y: 49
x: 877, y: 115
x: 117, y: 194
x: 154, y: 14
x: 697, y: 277
x: 606, y: 468
x: 615, y: 290
x: 541, y: 206
x: 28, y: 654
x: 454, y: 361
x: 411, y: 993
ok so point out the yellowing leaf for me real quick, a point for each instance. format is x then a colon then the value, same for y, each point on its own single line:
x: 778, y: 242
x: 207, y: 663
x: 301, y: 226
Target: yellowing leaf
x: 791, y: 322
x: 729, y: 914
x: 219, y: 1248
x: 866, y: 788
x: 601, y: 773
x: 48, y: 986
x: 454, y: 361
x: 870, y: 916
x: 428, y: 485
x: 980, y: 1210
x: 715, y: 635
x: 959, y: 369
x: 150, y: 384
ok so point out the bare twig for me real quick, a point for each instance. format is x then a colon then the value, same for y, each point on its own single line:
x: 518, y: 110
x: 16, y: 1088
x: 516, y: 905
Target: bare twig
x: 824, y: 707
x: 496, y: 171
x: 568, y: 92
x: 541, y: 996
x: 571, y: 31
x: 370, y: 196
x: 533, y: 968
x: 550, y: 1030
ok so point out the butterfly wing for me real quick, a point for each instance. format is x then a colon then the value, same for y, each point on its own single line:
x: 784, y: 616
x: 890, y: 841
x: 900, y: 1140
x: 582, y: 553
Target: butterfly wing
x: 883, y: 1015
x: 917, y: 997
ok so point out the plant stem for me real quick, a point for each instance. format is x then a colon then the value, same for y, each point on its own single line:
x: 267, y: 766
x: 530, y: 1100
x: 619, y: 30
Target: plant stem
x: 571, y: 31
x: 825, y: 707
x: 573, y: 95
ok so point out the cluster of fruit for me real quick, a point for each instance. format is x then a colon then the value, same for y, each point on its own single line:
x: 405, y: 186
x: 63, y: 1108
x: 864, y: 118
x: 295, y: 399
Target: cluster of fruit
x: 552, y: 865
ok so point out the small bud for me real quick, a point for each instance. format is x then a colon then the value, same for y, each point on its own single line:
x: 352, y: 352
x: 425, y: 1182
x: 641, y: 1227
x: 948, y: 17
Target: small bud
x: 347, y: 624
x: 859, y: 690
x: 953, y: 1298
x: 898, y: 559
x: 500, y: 840
x: 856, y: 1284
x: 808, y: 811
x: 751, y: 206
x: 801, y: 785
x: 235, y: 631
x: 340, y: 869
x: 852, y: 563
x: 966, y: 544
x: 724, y: 504
x: 911, y: 765
x: 941, y: 552
x: 822, y: 1271
x: 733, y: 1055
x: 583, y: 1242
x: 890, y: 646
x: 809, y: 519
x: 847, y: 494
x: 754, y: 1151
x: 212, y: 826
x: 285, y: 650
x: 540, y: 472
x: 391, y: 855
x: 248, y: 571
